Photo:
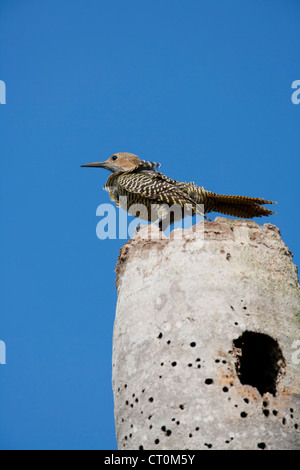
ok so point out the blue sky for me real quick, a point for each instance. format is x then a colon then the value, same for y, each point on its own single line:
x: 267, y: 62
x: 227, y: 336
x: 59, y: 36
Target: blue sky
x: 204, y: 88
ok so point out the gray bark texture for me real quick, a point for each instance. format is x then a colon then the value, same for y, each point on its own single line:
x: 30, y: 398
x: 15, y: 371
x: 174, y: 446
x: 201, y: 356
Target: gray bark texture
x: 206, y: 345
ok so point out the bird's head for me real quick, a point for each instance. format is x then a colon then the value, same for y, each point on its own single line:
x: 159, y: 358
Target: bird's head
x: 121, y: 161
x: 124, y: 161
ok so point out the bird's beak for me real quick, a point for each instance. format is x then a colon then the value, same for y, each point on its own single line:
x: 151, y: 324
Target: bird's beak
x: 96, y: 165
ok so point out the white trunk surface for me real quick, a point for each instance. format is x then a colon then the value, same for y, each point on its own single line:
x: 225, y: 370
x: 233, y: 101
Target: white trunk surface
x: 206, y: 346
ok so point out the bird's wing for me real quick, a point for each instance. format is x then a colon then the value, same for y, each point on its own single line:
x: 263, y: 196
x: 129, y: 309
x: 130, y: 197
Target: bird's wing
x: 154, y: 188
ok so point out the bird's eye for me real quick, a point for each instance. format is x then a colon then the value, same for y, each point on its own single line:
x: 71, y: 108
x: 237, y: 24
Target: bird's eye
x: 114, y: 158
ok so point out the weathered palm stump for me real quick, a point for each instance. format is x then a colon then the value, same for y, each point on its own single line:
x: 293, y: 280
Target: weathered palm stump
x: 206, y: 346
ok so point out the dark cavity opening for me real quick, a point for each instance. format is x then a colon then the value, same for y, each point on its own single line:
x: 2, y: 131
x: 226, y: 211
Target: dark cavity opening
x: 259, y: 361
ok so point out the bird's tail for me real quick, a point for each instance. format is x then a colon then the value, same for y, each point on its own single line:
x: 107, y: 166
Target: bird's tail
x: 238, y: 206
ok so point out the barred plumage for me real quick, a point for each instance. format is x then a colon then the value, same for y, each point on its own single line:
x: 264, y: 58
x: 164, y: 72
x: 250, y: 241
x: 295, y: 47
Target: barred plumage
x: 139, y: 181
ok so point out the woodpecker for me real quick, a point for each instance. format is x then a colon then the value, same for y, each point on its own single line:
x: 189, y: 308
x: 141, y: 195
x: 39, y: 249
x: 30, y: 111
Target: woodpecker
x: 139, y: 188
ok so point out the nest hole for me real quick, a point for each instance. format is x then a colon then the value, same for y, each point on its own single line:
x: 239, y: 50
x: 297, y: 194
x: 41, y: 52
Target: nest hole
x: 259, y: 361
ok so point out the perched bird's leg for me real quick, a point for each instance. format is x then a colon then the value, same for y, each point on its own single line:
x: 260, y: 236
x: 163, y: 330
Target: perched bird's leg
x: 159, y: 223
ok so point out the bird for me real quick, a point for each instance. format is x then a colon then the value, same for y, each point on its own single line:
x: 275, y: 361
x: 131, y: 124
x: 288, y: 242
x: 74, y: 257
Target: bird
x: 138, y: 187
